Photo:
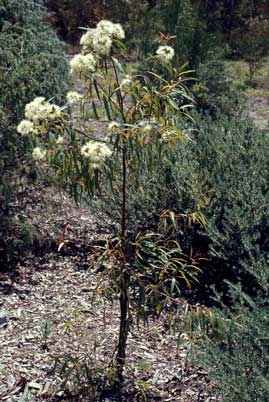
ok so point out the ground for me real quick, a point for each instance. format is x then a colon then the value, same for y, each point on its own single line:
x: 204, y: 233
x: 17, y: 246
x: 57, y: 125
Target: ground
x: 56, y: 336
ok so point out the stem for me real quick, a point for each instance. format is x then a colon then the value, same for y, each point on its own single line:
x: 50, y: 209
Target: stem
x: 121, y: 104
x: 124, y: 279
x: 123, y: 207
x: 124, y: 276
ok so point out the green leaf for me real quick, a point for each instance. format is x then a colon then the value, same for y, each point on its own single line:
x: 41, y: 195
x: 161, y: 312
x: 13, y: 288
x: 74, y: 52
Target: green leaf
x: 95, y: 110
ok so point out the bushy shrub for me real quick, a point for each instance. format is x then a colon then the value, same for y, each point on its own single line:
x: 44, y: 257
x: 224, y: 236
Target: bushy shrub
x: 213, y: 91
x: 237, y: 358
x: 31, y: 58
x: 229, y: 175
x: 32, y: 64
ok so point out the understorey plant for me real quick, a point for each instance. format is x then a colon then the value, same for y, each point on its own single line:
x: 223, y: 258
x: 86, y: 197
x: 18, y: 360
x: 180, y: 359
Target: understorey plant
x: 143, y: 117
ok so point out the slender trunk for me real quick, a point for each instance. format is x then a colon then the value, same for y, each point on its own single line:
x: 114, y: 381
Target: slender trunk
x: 124, y: 279
x: 124, y: 276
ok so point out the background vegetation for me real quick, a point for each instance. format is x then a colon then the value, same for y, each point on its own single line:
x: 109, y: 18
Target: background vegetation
x: 32, y: 64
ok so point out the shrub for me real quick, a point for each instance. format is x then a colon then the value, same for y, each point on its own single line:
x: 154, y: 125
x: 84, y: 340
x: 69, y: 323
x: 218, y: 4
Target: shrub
x: 232, y: 174
x: 32, y: 63
x: 226, y: 168
x: 237, y: 358
x: 31, y: 57
x: 213, y: 91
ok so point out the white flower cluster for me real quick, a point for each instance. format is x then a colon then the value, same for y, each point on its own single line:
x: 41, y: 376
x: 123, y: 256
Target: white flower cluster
x: 39, y: 154
x: 100, y: 39
x: 102, y: 44
x: 25, y: 127
x: 148, y: 126
x: 83, y: 64
x: 39, y: 110
x: 165, y: 54
x: 86, y: 40
x: 73, y: 97
x: 111, y: 29
x: 96, y: 152
x: 95, y: 42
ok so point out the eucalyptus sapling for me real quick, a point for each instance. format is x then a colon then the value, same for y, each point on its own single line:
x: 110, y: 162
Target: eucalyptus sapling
x: 143, y: 117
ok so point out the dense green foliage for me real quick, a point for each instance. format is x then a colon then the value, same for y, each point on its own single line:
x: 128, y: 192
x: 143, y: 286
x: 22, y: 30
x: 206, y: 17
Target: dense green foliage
x: 229, y: 173
x: 237, y: 357
x: 32, y: 63
x: 31, y: 57
x: 213, y: 91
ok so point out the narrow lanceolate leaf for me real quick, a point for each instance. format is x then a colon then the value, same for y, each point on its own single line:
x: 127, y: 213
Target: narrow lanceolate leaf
x: 173, y: 104
x: 95, y: 110
x: 185, y: 278
x: 119, y: 65
x: 119, y: 44
x: 97, y: 90
x: 157, y: 76
x: 172, y: 217
x: 107, y: 108
x: 172, y: 285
